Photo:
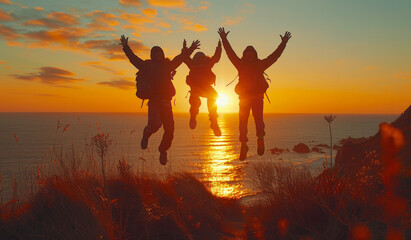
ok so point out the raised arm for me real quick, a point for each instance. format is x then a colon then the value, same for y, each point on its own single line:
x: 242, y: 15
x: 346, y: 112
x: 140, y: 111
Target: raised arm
x: 217, y: 54
x: 186, y: 57
x: 235, y: 60
x: 272, y: 58
x: 136, y: 61
x: 185, y: 53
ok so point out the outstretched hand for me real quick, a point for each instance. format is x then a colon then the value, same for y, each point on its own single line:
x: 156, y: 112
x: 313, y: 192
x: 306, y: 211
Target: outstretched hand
x: 223, y: 34
x: 286, y: 37
x: 123, y: 41
x: 195, y: 45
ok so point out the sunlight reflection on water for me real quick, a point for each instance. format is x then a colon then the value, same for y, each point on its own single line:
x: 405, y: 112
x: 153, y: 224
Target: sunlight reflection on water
x: 221, y: 168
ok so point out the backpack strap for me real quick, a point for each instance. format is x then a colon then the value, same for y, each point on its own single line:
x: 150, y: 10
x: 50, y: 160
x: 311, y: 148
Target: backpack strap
x: 232, y: 81
x: 142, y: 102
x: 267, y: 97
x: 267, y: 77
x: 188, y: 92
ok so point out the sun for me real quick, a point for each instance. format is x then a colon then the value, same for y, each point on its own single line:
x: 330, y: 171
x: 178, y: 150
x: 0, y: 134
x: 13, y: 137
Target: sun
x: 222, y: 100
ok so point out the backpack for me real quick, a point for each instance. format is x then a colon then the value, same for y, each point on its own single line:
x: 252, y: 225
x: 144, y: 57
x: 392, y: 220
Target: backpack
x: 143, y: 84
x: 200, y: 76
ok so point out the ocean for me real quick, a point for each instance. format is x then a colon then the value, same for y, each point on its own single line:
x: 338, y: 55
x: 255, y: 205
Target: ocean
x: 27, y: 138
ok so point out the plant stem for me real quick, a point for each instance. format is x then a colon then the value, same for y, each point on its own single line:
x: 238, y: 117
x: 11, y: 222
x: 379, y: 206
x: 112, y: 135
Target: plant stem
x: 331, y: 146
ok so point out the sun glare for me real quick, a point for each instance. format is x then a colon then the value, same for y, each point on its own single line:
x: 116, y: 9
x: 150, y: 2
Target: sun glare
x: 222, y: 100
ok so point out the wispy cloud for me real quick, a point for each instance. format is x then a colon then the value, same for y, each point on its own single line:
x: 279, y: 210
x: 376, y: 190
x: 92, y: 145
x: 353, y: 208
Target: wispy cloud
x: 403, y: 75
x: 101, y: 66
x: 54, y: 20
x: 232, y: 20
x: 167, y: 3
x: 102, y: 21
x: 45, y: 95
x: 196, y: 27
x: 8, y: 33
x: 370, y: 68
x: 121, y: 84
x: 50, y: 76
x: 64, y: 18
x: 137, y: 19
x: 5, y: 16
x: 151, y: 12
x: 229, y: 21
x: 111, y: 49
x: 6, y: 1
x: 130, y: 2
x: 60, y: 35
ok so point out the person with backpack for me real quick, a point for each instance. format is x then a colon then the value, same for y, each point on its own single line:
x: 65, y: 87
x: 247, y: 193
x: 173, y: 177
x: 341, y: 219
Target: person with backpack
x: 200, y: 79
x: 154, y: 83
x: 251, y: 87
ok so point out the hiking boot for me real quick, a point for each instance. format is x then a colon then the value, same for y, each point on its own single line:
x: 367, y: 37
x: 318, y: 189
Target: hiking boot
x: 243, y: 151
x: 215, y: 127
x: 193, y: 122
x: 260, y: 146
x: 144, y: 142
x: 163, y: 157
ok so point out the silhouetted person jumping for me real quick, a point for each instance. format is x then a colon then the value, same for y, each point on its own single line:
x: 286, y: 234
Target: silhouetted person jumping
x: 200, y: 80
x: 155, y: 77
x: 251, y: 87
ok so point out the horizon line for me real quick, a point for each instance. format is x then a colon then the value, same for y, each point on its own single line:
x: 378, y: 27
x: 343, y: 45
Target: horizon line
x: 180, y: 112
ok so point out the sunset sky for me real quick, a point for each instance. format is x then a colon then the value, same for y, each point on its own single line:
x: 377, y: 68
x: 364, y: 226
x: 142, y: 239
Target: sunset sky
x: 343, y: 57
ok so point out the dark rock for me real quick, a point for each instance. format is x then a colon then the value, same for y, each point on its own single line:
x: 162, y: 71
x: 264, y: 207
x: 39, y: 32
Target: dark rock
x: 301, y: 148
x: 358, y: 152
x: 322, y: 145
x: 316, y: 149
x: 278, y: 150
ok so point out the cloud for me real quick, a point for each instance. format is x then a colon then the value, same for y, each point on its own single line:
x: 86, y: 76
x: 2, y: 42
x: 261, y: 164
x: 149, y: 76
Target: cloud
x: 2, y: 62
x: 370, y: 68
x: 5, y: 16
x: 102, y: 21
x: 246, y: 9
x: 111, y: 49
x: 61, y: 35
x: 403, y: 76
x: 39, y: 8
x: 130, y: 2
x: 196, y: 27
x: 121, y: 84
x: 8, y: 33
x: 151, y: 12
x: 229, y: 21
x: 139, y: 29
x: 42, y: 22
x: 167, y: 3
x: 163, y: 24
x: 6, y: 1
x: 99, y: 65
x: 54, y: 20
x: 51, y: 76
x: 136, y: 18
x: 45, y: 95
x: 64, y: 18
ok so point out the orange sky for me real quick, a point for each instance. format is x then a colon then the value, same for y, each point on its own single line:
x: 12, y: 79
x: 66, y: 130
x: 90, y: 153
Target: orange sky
x: 60, y: 57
